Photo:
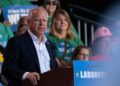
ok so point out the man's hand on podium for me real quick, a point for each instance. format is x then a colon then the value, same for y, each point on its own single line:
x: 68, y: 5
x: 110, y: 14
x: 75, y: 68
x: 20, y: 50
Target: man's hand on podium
x: 34, y: 77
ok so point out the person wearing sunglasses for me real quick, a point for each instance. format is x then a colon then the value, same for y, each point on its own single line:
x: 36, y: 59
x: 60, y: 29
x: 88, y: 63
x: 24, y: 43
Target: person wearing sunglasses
x: 51, y: 6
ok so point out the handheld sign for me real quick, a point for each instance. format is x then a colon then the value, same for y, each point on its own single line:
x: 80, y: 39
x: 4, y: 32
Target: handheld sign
x: 13, y: 13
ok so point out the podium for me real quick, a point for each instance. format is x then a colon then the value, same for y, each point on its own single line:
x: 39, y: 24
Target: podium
x: 57, y: 77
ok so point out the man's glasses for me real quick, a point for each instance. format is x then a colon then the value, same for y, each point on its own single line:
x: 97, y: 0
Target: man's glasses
x: 51, y: 2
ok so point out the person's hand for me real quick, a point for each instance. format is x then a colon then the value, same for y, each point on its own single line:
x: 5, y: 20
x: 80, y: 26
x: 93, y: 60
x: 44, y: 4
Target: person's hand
x: 33, y: 77
x: 7, y: 23
x: 62, y: 64
x: 65, y: 64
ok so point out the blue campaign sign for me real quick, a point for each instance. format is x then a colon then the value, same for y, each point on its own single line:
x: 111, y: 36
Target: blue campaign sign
x: 89, y: 73
x: 13, y: 13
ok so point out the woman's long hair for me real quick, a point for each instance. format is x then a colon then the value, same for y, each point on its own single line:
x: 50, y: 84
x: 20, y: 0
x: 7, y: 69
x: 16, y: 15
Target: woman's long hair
x: 69, y: 34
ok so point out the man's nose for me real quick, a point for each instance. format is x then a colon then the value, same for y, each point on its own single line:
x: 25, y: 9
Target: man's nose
x: 40, y: 22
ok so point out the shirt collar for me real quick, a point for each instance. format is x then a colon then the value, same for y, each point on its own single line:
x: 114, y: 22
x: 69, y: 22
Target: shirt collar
x: 35, y: 38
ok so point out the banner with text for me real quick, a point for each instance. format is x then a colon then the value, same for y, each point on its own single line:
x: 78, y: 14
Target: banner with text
x: 13, y: 13
x: 89, y: 73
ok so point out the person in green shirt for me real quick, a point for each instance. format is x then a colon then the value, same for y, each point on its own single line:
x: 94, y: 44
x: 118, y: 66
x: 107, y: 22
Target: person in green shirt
x: 14, y: 2
x: 5, y: 33
x: 51, y: 6
x: 62, y: 36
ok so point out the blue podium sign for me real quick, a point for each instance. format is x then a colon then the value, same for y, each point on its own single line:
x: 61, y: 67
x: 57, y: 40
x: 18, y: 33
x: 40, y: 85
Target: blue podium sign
x: 13, y: 13
x: 89, y: 73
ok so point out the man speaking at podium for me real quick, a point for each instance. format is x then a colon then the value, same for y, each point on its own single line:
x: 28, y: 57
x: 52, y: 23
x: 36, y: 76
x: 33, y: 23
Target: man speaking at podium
x: 31, y: 54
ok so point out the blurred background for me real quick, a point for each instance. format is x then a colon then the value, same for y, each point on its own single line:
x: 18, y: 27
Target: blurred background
x: 88, y: 15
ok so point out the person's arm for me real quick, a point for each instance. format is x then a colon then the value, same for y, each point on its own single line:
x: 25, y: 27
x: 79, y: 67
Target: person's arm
x: 62, y: 64
x: 11, y: 61
x: 11, y: 64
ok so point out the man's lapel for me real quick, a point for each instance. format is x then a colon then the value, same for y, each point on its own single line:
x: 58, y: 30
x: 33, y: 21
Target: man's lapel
x: 31, y: 48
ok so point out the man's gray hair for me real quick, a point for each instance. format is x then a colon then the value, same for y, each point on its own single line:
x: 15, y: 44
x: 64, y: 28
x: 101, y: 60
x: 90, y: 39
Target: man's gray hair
x: 34, y: 10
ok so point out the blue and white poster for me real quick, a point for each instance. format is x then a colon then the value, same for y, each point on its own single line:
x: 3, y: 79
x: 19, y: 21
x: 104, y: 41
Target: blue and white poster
x: 13, y: 13
x: 89, y: 73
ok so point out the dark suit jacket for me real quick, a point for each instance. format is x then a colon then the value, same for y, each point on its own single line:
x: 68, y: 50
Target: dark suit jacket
x: 21, y: 56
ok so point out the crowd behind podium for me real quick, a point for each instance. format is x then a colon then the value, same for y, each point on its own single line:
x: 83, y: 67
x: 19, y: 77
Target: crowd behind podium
x: 46, y: 40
